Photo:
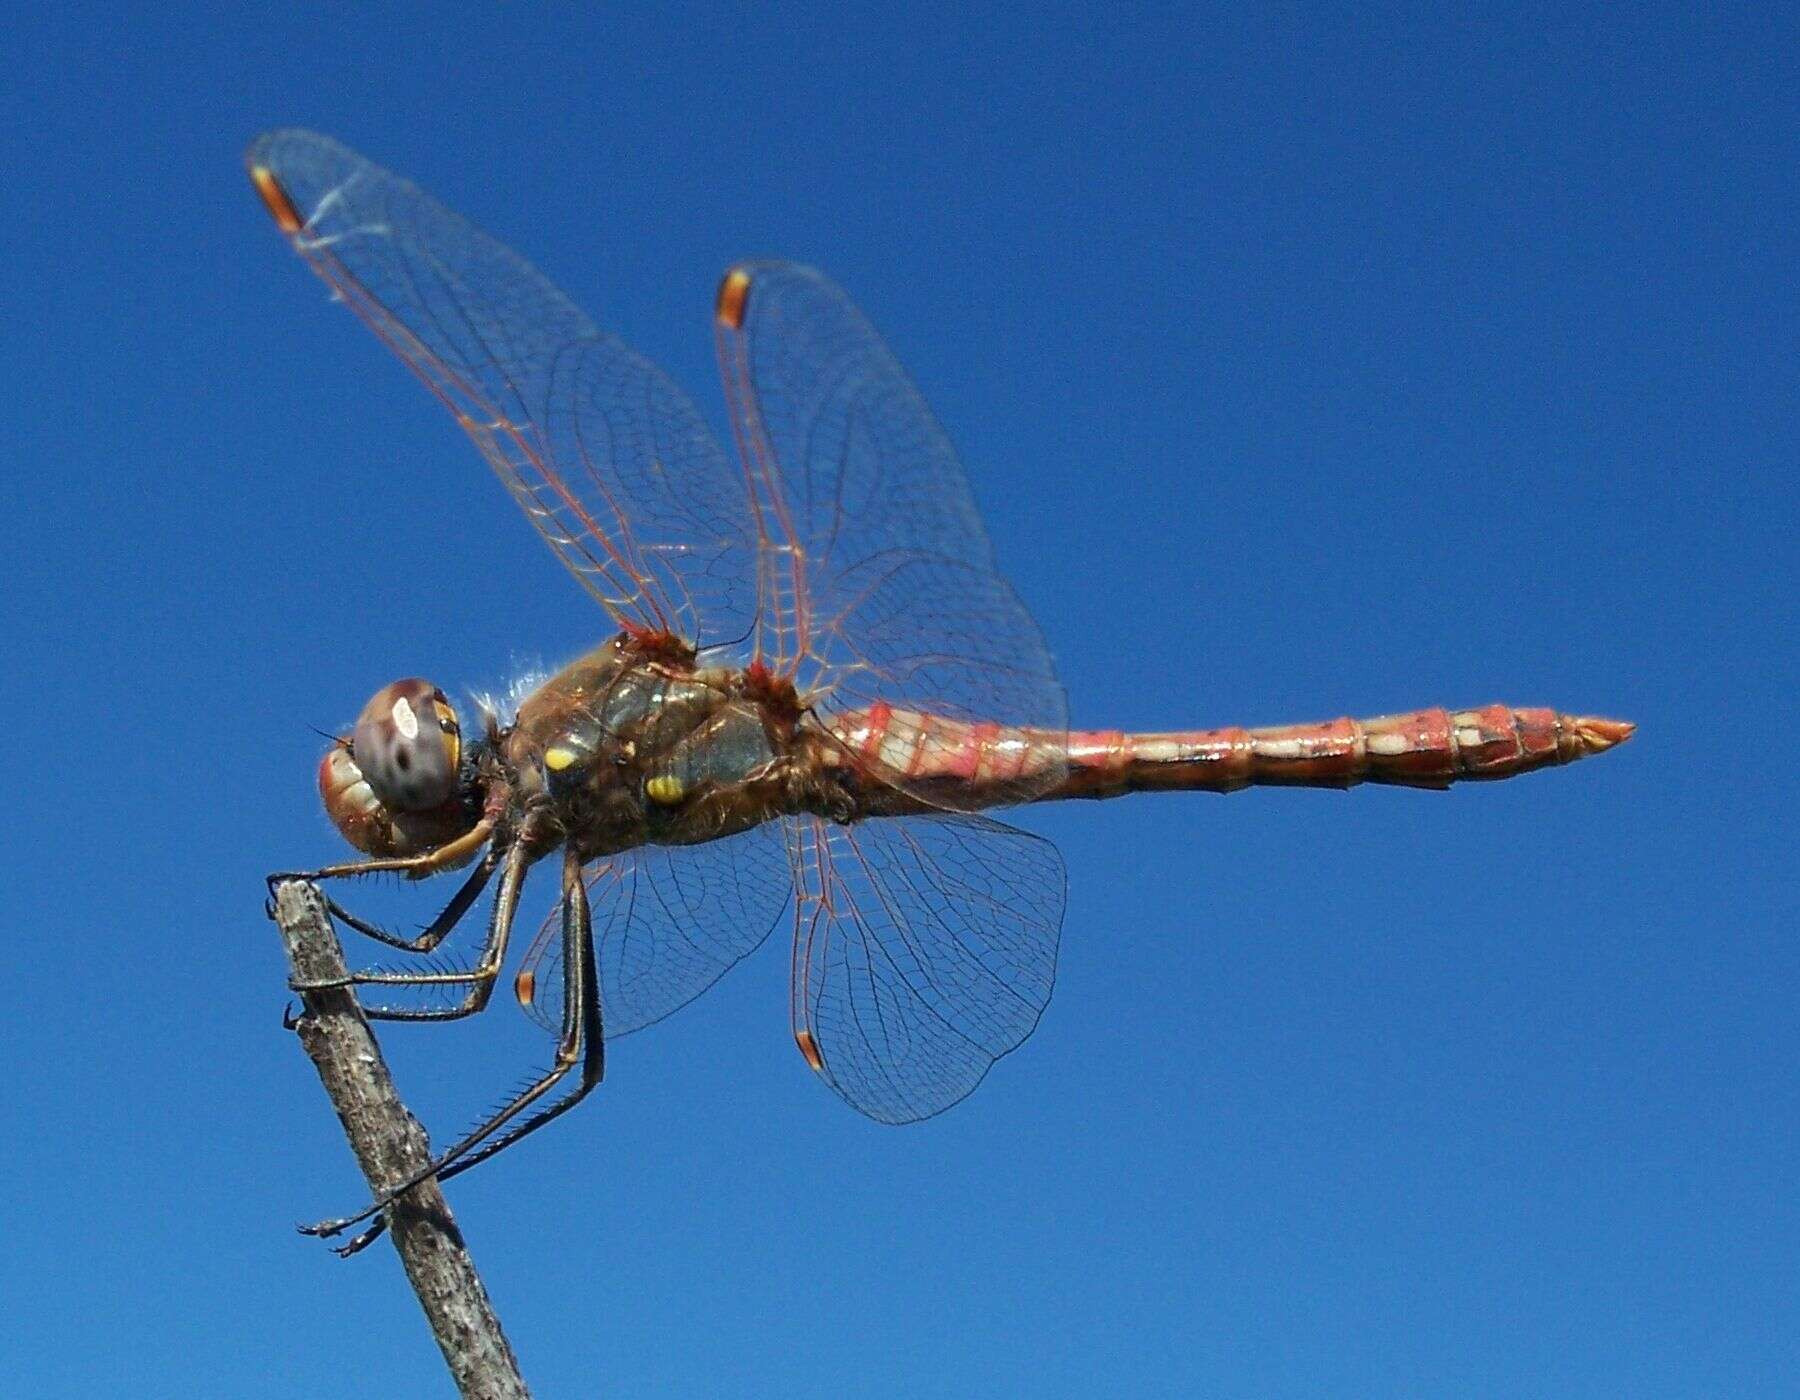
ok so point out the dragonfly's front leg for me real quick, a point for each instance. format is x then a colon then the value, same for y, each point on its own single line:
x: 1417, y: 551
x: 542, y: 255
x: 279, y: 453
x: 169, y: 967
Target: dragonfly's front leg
x: 582, y: 1042
x: 439, y: 928
x: 433, y: 862
x: 478, y: 981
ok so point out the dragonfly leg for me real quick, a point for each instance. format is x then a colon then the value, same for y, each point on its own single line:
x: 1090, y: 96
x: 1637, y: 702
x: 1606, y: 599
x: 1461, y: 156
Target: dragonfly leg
x: 439, y: 928
x: 478, y: 981
x: 445, y: 857
x: 582, y: 1043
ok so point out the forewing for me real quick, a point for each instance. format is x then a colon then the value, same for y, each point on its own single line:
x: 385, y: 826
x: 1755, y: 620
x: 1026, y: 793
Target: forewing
x: 608, y: 458
x: 925, y: 949
x: 878, y: 581
x: 669, y: 921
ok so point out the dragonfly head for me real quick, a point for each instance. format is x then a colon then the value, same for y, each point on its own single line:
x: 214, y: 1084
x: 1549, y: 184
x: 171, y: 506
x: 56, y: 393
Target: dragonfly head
x: 398, y: 784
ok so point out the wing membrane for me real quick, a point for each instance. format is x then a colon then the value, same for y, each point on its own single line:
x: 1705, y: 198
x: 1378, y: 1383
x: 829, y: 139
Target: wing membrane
x: 607, y: 457
x: 878, y: 581
x: 925, y: 949
x: 669, y: 921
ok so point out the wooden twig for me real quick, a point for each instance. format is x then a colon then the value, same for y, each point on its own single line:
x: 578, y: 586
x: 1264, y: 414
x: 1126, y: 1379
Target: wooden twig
x: 391, y: 1146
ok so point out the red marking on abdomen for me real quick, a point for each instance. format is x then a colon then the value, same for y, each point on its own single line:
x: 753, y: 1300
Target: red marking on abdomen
x: 908, y: 746
x: 916, y: 759
x: 1103, y: 749
x: 875, y: 728
x: 965, y: 762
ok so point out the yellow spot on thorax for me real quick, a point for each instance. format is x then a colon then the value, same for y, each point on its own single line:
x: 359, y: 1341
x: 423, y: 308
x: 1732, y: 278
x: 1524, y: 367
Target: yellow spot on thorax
x: 558, y: 759
x: 664, y: 788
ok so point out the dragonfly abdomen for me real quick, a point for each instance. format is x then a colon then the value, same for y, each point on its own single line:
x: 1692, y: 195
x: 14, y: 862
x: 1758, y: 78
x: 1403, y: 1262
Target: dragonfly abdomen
x: 1425, y: 748
x: 971, y: 764
x: 975, y: 765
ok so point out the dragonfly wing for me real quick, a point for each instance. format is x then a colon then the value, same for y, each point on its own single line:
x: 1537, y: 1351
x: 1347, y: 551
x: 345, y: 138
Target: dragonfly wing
x: 925, y: 949
x: 608, y: 458
x: 934, y: 638
x: 669, y: 921
x: 878, y: 580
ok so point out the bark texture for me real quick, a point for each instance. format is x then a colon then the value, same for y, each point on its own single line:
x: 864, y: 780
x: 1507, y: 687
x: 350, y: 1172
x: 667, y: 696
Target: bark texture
x: 390, y: 1145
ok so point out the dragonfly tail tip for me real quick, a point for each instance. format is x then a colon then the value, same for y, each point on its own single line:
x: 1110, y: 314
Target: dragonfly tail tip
x: 1598, y: 735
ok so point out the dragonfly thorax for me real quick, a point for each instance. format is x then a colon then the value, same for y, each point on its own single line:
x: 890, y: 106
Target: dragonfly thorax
x: 628, y: 746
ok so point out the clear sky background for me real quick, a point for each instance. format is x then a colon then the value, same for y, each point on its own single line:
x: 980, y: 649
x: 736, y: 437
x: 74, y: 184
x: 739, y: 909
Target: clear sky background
x: 1303, y: 363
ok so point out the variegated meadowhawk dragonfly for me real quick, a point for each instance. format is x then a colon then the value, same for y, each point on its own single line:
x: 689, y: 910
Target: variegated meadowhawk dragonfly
x: 814, y: 684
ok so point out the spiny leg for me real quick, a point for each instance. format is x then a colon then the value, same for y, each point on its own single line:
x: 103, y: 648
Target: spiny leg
x: 434, y: 862
x: 439, y: 928
x: 582, y: 1041
x: 478, y: 980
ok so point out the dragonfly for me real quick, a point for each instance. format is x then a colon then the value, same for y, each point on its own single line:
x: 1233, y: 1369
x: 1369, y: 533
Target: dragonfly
x: 814, y: 683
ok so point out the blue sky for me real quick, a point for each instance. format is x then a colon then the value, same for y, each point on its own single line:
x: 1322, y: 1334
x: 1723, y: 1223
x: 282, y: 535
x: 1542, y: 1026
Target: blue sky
x: 1303, y: 364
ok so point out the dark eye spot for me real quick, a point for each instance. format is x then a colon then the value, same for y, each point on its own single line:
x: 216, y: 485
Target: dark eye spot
x: 402, y: 760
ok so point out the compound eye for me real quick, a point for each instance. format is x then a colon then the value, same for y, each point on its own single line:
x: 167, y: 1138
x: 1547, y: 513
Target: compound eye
x: 408, y: 745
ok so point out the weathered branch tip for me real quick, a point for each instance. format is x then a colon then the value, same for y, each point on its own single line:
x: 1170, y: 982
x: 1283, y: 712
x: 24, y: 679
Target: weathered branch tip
x: 390, y: 1146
